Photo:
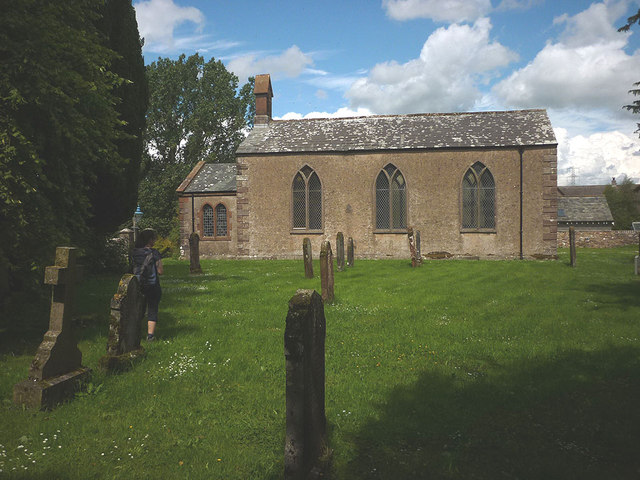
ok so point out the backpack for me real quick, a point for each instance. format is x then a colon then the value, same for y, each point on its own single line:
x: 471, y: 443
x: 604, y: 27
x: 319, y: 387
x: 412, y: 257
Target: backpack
x: 143, y: 271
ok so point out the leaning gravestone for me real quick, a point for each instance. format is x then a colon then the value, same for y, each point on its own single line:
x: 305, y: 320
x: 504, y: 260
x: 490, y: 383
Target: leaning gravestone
x: 125, y: 326
x: 413, y: 248
x: 340, y: 251
x: 350, y: 252
x: 194, y: 253
x: 308, y: 260
x: 572, y: 246
x: 305, y: 452
x: 326, y: 272
x: 56, y: 372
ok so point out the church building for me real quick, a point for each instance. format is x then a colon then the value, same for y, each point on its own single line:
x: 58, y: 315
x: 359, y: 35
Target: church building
x: 474, y: 184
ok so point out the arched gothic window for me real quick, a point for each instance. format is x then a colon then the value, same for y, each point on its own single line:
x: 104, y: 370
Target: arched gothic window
x: 478, y: 198
x: 391, y: 199
x: 214, y: 221
x: 307, y: 200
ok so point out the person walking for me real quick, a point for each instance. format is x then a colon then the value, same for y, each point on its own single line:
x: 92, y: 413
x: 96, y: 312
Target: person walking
x: 147, y: 266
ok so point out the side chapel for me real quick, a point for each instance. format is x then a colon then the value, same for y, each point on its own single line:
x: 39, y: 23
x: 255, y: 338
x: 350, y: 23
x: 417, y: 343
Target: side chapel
x: 481, y: 184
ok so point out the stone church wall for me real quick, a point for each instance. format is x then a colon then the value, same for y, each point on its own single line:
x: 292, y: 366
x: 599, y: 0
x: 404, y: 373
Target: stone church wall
x: 433, y: 179
x: 209, y: 246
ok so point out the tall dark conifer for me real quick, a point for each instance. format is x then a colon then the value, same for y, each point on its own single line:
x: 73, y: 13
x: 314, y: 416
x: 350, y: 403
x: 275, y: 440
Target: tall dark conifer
x: 116, y: 193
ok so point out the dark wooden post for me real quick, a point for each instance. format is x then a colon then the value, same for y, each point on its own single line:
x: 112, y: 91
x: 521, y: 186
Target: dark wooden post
x: 572, y: 246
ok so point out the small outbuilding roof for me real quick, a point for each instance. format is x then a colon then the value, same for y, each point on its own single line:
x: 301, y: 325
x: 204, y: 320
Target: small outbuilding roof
x: 583, y: 209
x: 210, y: 178
x: 401, y: 132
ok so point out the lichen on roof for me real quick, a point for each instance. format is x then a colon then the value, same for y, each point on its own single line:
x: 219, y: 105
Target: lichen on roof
x: 214, y: 178
x: 402, y: 132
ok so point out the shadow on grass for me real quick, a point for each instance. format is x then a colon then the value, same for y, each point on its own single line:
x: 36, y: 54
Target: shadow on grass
x: 621, y: 295
x: 574, y: 417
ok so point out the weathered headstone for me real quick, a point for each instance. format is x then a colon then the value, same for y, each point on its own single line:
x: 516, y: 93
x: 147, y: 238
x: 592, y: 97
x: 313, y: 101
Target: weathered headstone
x: 572, y: 246
x: 340, y: 251
x: 308, y: 260
x: 125, y: 326
x: 194, y: 253
x: 415, y: 258
x: 305, y: 452
x: 326, y: 272
x: 637, y: 264
x: 350, y: 252
x: 418, y: 248
x: 56, y: 372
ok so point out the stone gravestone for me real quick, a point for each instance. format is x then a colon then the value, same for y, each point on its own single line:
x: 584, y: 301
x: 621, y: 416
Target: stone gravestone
x: 572, y: 246
x: 418, y: 249
x: 306, y: 452
x: 125, y: 326
x: 308, y: 260
x: 413, y: 248
x: 194, y: 253
x: 340, y: 251
x: 56, y: 372
x: 326, y: 272
x: 350, y: 252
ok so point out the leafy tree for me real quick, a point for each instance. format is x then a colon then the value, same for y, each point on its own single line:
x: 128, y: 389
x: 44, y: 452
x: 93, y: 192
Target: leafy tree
x: 623, y: 203
x: 58, y: 127
x: 115, y: 195
x: 197, y: 112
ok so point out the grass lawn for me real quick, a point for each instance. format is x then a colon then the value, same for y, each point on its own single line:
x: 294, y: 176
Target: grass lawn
x: 455, y: 370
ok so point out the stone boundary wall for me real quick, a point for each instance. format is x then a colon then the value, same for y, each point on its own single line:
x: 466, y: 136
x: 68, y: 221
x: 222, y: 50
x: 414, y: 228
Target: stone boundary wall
x: 599, y: 239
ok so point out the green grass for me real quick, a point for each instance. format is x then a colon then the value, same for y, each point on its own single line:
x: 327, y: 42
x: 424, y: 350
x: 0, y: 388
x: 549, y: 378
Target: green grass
x: 458, y: 369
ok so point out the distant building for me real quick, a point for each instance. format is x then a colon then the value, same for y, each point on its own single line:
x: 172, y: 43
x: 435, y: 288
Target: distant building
x: 479, y: 183
x: 583, y: 207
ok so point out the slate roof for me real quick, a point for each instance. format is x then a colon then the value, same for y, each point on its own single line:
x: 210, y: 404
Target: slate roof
x: 401, y: 132
x: 214, y: 178
x: 581, y: 191
x: 584, y: 209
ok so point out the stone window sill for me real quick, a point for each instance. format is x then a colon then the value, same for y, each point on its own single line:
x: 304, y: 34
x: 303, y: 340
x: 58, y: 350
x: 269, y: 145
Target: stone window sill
x: 478, y: 230
x: 302, y: 231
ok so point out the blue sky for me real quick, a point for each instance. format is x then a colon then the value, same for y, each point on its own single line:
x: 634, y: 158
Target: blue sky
x: 363, y: 57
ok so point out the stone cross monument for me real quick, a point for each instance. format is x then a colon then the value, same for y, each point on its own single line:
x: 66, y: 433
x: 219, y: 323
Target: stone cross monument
x: 56, y: 372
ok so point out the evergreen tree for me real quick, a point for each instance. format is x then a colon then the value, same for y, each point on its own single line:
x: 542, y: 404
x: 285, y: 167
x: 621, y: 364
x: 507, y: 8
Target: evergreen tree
x: 115, y: 195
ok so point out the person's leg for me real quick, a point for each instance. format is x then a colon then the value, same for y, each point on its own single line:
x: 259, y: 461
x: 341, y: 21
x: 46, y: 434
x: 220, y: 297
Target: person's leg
x: 153, y: 302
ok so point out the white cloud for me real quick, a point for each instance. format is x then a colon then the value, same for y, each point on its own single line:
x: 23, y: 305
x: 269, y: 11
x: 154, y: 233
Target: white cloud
x: 597, y: 158
x: 443, y: 78
x: 587, y: 68
x: 291, y: 63
x: 449, y: 11
x: 340, y: 113
x: 157, y: 20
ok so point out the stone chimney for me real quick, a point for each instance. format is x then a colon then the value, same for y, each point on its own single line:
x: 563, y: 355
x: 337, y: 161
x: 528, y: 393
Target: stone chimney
x: 264, y: 93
